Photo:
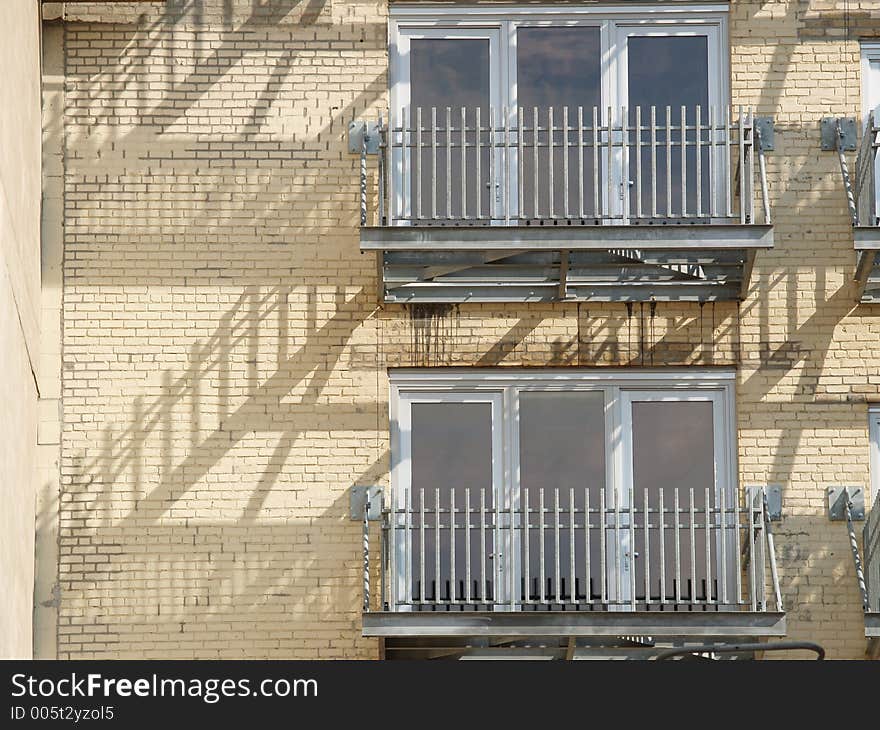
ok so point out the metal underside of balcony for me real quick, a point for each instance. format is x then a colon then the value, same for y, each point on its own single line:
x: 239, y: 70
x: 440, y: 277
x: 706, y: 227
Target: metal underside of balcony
x: 531, y: 624
x: 548, y: 263
x: 867, y: 244
x: 562, y: 635
x: 872, y: 634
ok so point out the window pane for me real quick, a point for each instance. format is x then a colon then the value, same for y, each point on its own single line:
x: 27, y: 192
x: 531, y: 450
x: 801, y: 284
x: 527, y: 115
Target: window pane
x: 454, y: 74
x: 562, y: 447
x: 670, y: 71
x: 558, y: 68
x: 451, y: 452
x: 673, y: 449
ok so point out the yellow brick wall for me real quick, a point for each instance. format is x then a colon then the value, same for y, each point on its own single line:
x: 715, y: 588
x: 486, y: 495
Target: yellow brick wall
x: 225, y: 364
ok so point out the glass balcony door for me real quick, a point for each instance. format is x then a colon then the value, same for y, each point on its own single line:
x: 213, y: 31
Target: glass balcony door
x: 674, y: 463
x: 449, y: 83
x: 664, y: 74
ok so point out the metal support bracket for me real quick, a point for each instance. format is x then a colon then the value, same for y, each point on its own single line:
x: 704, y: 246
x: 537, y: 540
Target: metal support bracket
x: 363, y: 496
x: 774, y: 502
x: 360, y: 132
x: 848, y: 133
x: 766, y: 134
x: 839, y: 496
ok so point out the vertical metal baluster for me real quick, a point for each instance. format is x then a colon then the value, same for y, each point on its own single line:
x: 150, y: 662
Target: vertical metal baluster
x: 580, y: 144
x: 434, y: 163
x: 405, y: 169
x: 467, y: 545
x: 383, y: 152
x: 602, y: 536
x: 505, y: 166
x: 653, y: 162
x: 448, y: 135
x: 624, y: 163
x: 647, y: 539
x: 632, y: 548
x: 525, y: 521
x: 571, y: 567
x: 437, y: 545
x: 407, y: 546
x: 452, y: 545
x: 617, y: 578
x: 588, y: 593
x: 520, y: 163
x: 713, y: 192
x: 550, y: 140
x: 761, y: 562
x: 752, y: 556
x: 698, y: 132
x: 463, y: 164
x: 483, y: 592
x: 742, y: 168
x: 738, y: 549
x: 422, y: 570
x: 479, y: 160
x: 541, y: 571
x: 752, y: 180
x: 708, y: 548
x: 677, y: 551
x: 723, y: 546
x: 610, y: 152
x: 639, y: 165
x: 669, y: 162
x: 493, y: 210
x: 389, y: 168
x: 535, y: 213
x: 728, y: 173
x: 557, y: 573
x: 662, y: 515
x: 511, y: 562
x: 684, y: 162
x: 597, y: 209
x: 419, y: 163
x: 693, y: 548
x: 565, y: 162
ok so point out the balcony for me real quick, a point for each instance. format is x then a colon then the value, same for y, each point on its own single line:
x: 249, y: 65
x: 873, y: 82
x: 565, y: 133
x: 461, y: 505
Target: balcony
x: 560, y: 204
x: 661, y: 568
x: 861, y: 195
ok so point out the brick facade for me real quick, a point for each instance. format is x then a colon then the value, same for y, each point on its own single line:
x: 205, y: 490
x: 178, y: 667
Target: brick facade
x: 225, y: 362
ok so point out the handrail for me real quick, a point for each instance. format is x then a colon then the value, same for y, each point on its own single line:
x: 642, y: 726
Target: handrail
x: 563, y: 165
x: 676, y: 549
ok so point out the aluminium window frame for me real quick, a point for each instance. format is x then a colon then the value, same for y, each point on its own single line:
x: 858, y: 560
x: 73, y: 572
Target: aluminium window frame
x: 612, y: 21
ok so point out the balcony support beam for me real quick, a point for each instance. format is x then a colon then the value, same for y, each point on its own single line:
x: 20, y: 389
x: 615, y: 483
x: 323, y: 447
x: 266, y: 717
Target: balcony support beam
x: 520, y: 624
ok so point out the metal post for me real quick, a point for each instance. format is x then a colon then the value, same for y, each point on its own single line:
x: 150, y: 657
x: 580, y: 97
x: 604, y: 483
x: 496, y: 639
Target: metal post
x: 847, y: 183
x: 771, y: 548
x: 854, y: 546
x: 366, y: 544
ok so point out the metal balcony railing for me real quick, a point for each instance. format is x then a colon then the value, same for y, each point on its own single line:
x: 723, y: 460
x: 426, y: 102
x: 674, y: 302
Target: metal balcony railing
x: 871, y: 542
x: 862, y: 188
x: 668, y: 550
x: 566, y: 166
x: 861, y: 197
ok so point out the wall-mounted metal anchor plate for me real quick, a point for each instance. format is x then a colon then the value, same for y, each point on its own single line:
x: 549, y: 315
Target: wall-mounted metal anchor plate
x: 774, y: 502
x: 766, y: 131
x: 830, y: 134
x: 360, y: 496
x: 359, y: 132
x: 837, y: 498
